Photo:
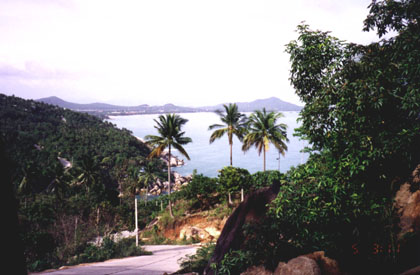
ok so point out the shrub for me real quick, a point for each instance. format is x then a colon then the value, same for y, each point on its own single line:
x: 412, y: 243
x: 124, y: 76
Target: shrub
x: 233, y: 179
x: 198, y: 261
x: 201, y: 191
x: 108, y: 250
x: 234, y: 262
x: 267, y: 178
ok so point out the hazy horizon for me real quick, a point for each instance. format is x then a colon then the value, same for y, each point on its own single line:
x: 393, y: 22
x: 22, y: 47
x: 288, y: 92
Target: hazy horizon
x: 134, y: 105
x: 184, y: 52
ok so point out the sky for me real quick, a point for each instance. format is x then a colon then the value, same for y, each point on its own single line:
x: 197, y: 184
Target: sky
x: 187, y: 52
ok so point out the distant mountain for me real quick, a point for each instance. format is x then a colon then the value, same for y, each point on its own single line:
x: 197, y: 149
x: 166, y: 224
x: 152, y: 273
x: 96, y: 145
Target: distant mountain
x: 271, y: 104
x: 53, y: 100
x: 115, y: 109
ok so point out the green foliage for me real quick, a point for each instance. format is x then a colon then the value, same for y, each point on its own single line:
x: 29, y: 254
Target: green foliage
x: 170, y: 136
x: 263, y: 130
x: 357, y: 106
x: 61, y: 209
x: 267, y: 178
x: 169, y: 127
x: 234, y: 124
x: 201, y: 191
x: 198, y: 261
x: 232, y: 179
x: 318, y: 209
x: 362, y: 119
x: 109, y: 250
x: 235, y: 262
x: 37, y: 134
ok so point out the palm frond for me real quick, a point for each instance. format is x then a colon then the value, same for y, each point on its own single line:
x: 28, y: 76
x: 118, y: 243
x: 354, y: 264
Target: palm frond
x: 181, y: 150
x: 217, y: 134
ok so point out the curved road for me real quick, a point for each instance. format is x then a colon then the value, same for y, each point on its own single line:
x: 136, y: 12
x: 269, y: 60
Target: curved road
x: 164, y: 259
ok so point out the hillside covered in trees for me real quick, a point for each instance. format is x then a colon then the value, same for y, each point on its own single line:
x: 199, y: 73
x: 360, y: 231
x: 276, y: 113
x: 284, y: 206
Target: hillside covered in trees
x: 73, y: 175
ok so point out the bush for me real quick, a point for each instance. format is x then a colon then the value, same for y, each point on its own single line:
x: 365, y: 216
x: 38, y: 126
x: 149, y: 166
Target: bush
x: 198, y: 261
x: 109, y: 250
x: 234, y: 262
x: 201, y: 191
x: 317, y: 209
x: 233, y: 179
x: 267, y: 178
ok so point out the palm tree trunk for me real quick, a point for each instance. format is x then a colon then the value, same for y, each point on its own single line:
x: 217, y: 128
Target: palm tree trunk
x: 231, y: 154
x: 264, y: 157
x: 169, y: 181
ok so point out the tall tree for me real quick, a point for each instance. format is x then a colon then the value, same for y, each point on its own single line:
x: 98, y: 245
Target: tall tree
x: 149, y: 174
x: 234, y: 124
x: 169, y: 127
x: 263, y: 130
x: 89, y: 172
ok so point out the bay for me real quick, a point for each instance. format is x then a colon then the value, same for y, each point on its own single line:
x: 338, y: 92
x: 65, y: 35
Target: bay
x: 208, y: 158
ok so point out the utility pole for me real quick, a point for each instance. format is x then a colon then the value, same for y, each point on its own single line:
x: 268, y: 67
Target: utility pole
x: 135, y: 213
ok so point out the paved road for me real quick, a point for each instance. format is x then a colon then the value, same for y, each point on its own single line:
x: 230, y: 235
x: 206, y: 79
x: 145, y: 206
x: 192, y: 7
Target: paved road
x: 164, y: 259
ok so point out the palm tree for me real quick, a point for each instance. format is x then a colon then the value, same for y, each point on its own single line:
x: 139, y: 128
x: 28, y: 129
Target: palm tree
x: 234, y: 123
x: 263, y: 130
x: 148, y: 175
x: 170, y: 135
x: 89, y: 172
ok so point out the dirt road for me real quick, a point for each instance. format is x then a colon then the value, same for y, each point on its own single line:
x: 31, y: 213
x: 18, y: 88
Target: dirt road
x: 164, y: 259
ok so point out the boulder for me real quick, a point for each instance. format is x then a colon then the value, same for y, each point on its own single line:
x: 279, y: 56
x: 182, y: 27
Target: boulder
x: 327, y: 265
x: 413, y: 271
x: 407, y: 204
x: 251, y: 210
x: 192, y: 232
x: 301, y: 265
x: 257, y: 270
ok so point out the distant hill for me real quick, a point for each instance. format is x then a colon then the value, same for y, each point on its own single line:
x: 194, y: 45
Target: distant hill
x: 272, y: 104
x: 115, y: 109
x: 53, y: 100
x: 38, y: 134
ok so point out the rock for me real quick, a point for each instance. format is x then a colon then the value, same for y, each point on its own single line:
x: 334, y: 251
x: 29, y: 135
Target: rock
x: 174, y: 161
x: 194, y: 233
x: 257, y: 270
x: 122, y: 235
x: 213, y: 231
x: 301, y: 265
x: 408, y: 205
x: 251, y: 210
x: 413, y: 271
x: 327, y: 265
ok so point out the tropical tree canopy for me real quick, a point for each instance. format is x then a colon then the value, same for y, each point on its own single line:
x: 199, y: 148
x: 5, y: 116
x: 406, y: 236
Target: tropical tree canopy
x: 234, y: 124
x: 263, y: 130
x: 170, y: 135
x: 169, y: 127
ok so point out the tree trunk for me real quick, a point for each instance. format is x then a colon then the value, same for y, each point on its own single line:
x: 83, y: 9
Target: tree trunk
x: 242, y: 194
x: 97, y: 221
x: 230, y: 153
x: 264, y: 157
x: 169, y: 181
x: 75, y: 229
x: 230, y: 199
x: 147, y: 191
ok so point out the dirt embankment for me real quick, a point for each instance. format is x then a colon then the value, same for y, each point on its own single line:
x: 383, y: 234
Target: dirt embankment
x: 199, y: 226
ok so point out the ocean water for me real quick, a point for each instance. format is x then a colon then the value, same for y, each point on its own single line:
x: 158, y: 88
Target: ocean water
x: 207, y: 158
